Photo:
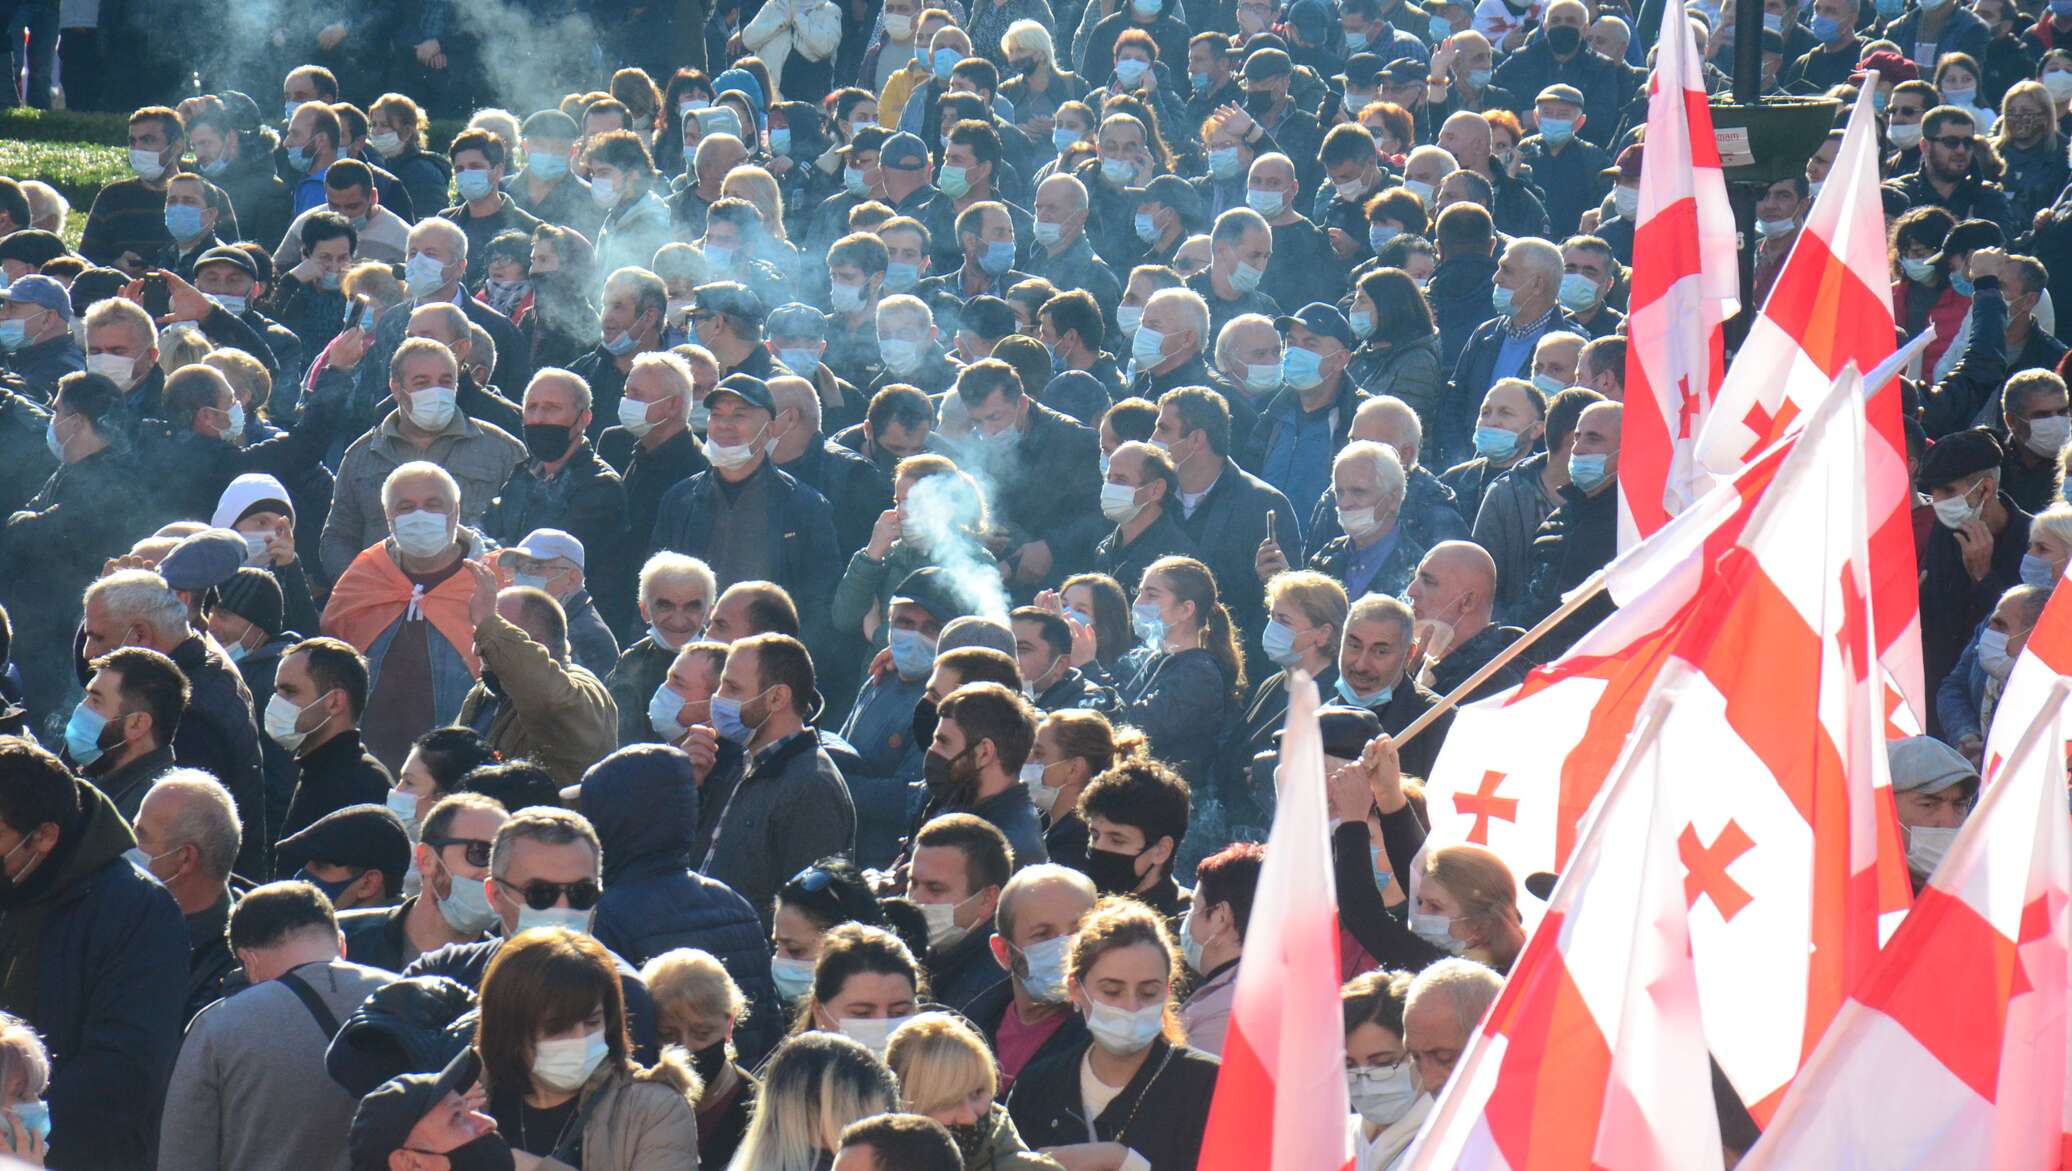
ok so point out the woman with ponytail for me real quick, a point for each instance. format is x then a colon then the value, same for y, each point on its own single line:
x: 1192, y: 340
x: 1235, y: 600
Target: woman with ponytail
x: 1188, y: 687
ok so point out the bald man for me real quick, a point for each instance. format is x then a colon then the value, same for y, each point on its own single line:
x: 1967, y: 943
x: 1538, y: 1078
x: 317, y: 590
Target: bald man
x: 1451, y: 597
x: 1517, y: 211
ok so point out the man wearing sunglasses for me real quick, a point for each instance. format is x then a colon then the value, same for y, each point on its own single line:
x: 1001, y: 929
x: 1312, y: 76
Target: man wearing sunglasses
x: 545, y: 870
x: 1949, y: 176
x: 452, y: 904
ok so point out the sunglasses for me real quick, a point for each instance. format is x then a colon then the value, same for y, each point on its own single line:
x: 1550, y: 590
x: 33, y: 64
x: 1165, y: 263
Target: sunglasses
x: 541, y: 894
x: 1953, y: 142
x: 812, y: 880
x: 477, y: 850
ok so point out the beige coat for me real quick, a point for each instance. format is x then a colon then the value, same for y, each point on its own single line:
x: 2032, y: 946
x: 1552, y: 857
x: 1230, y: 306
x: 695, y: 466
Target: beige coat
x: 552, y: 712
x: 643, y: 1121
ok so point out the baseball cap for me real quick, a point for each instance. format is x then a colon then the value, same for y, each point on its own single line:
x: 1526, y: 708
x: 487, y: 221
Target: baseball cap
x: 386, y: 1116
x: 208, y: 558
x: 1403, y: 71
x: 746, y: 387
x: 41, y: 291
x: 551, y: 545
x: 1889, y: 66
x: 1318, y: 317
x: 903, y: 152
x: 1923, y: 764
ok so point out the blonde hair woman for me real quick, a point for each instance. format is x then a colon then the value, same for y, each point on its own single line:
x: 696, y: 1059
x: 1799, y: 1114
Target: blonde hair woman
x: 698, y: 1006
x: 946, y: 1072
x: 1468, y: 905
x: 816, y: 1084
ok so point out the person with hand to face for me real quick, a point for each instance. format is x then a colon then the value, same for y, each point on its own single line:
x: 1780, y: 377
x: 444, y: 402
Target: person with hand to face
x: 451, y: 905
x: 557, y: 1060
x: 1974, y: 549
x: 1451, y: 598
x: 1934, y: 788
x: 1120, y: 976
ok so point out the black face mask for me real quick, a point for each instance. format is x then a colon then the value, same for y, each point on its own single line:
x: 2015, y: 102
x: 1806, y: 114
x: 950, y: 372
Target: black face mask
x: 1113, y: 873
x: 1564, y: 39
x: 709, y: 1061
x: 1259, y: 102
x: 1028, y: 67
x: 971, y: 1141
x: 488, y: 1153
x: 941, y: 773
x: 546, y: 442
x: 925, y: 721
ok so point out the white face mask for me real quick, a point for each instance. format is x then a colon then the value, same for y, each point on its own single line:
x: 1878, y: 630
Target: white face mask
x: 727, y: 457
x: 873, y: 1033
x: 566, y: 1063
x: 422, y: 533
x: 1119, y: 503
x: 944, y: 932
x: 281, y: 718
x: 432, y: 408
x: 2047, y: 435
x: 1437, y: 930
x: 1926, y: 846
x: 1382, y: 1096
x: 114, y: 367
x: 1043, y: 796
x: 1955, y: 511
x: 1122, y: 1032
x: 1626, y: 201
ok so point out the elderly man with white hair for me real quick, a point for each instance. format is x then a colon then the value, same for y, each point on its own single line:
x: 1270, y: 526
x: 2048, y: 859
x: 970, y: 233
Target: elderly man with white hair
x: 426, y: 426
x: 564, y: 485
x: 1375, y: 553
x: 404, y: 604
x: 1446, y: 1002
x: 1171, y: 344
x: 676, y: 597
x: 188, y: 836
x: 1431, y: 510
x: 217, y: 729
x: 436, y: 258
x: 1528, y: 281
x: 854, y: 485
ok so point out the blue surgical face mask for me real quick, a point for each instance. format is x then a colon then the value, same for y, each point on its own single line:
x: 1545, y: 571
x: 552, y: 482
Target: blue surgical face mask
x: 1916, y: 269
x: 900, y: 354
x: 799, y: 361
x: 1266, y: 203
x: 1300, y: 368
x: 1356, y: 42
x: 954, y: 181
x: 1826, y: 29
x: 1244, y: 278
x: 1063, y: 138
x: 853, y: 181
x: 1962, y: 284
x: 913, y: 653
x: 901, y: 276
x: 998, y: 258
x: 664, y: 706
x: 1588, y: 471
x: 298, y: 158
x: 83, y: 734
x: 1131, y: 70
x: 1578, y: 293
x: 1278, y: 640
x: 1224, y: 162
x: 1372, y: 699
x: 793, y: 978
x: 2038, y: 572
x: 1440, y: 28
x: 548, y: 166
x: 1118, y: 171
x: 1148, y: 347
x: 1362, y: 322
x: 1147, y: 227
x: 1199, y: 82
x: 473, y: 183
x: 944, y: 60
x: 1495, y: 442
x: 1502, y: 300
x: 780, y: 141
x: 183, y: 220
x: 1479, y: 78
x: 727, y: 721
x: 35, y: 1117
x: 1380, y: 236
x: 14, y: 333
x: 1558, y: 130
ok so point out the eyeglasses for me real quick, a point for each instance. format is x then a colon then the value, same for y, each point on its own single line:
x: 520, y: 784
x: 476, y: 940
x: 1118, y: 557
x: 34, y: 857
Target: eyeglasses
x: 541, y: 894
x: 477, y: 850
x: 1953, y: 142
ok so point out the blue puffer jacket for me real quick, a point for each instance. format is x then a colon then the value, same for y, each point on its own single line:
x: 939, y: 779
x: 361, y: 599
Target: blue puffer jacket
x: 643, y: 799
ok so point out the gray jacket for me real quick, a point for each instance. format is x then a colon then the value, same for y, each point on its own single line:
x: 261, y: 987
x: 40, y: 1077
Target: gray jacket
x: 479, y: 455
x: 1513, y: 506
x: 256, y: 1059
x: 791, y: 809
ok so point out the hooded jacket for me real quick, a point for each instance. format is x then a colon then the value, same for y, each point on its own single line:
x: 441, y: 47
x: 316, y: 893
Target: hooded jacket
x: 644, y: 802
x: 409, y: 1026
x: 87, y: 943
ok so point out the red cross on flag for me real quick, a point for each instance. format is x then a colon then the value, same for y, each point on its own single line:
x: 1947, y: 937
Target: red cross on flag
x: 2045, y: 657
x: 1953, y: 1050
x: 1594, y: 1056
x: 1830, y: 306
x: 1685, y: 284
x: 1790, y: 854
x: 1280, y: 1101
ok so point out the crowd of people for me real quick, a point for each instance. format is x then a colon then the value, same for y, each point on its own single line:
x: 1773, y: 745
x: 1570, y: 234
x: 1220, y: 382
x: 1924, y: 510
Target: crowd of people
x: 742, y: 617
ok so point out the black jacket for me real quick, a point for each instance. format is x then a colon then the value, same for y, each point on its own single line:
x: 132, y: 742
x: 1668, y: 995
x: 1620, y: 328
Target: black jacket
x: 1160, y: 1115
x: 801, y: 523
x: 1467, y: 658
x: 1227, y: 527
x: 1459, y: 293
x: 408, y: 1026
x: 337, y: 773
x: 1473, y: 374
x: 1126, y: 563
x: 218, y: 734
x: 375, y: 936
x: 586, y: 500
x: 107, y: 996
x: 25, y: 461
x: 853, y: 485
x: 1047, y: 488
x: 966, y: 971
x: 1578, y: 539
x: 1606, y: 85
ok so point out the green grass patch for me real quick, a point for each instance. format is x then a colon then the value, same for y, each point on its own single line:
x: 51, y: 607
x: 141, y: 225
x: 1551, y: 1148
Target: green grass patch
x: 104, y: 129
x: 78, y: 170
